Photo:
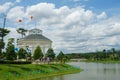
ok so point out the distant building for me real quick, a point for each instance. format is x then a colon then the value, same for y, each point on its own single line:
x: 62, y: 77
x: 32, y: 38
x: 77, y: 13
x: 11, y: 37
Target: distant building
x: 34, y: 39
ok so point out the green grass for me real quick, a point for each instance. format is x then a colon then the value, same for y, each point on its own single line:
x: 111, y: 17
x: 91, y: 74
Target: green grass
x: 33, y: 71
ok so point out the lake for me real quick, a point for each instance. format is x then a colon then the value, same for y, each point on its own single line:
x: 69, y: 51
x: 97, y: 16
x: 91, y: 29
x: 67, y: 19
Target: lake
x: 92, y: 71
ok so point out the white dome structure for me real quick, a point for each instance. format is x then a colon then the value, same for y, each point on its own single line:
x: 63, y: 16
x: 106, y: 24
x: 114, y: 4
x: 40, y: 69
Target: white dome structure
x: 34, y: 39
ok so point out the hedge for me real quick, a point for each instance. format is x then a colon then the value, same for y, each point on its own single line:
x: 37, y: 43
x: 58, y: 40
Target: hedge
x: 15, y: 62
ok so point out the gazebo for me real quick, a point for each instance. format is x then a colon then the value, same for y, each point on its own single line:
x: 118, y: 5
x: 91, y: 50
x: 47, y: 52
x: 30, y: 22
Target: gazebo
x: 34, y: 39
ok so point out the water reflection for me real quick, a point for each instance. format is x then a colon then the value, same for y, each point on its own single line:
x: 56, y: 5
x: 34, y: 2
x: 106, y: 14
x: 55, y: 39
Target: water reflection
x: 92, y: 71
x: 60, y: 77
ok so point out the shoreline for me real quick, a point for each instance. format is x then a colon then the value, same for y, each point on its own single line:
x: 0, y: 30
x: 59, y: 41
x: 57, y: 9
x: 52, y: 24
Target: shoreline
x: 35, y: 71
x: 58, y: 74
x: 103, y: 61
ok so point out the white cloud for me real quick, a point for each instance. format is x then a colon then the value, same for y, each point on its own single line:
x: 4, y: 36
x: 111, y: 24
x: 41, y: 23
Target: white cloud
x: 16, y: 13
x: 71, y: 29
x: 102, y: 15
x: 41, y: 10
x: 5, y: 7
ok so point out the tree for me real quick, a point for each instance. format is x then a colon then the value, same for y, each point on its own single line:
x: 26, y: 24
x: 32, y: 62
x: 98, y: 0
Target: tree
x: 10, y: 53
x: 2, y: 56
x: 10, y: 41
x: 50, y: 53
x: 22, y: 53
x: 113, y: 52
x: 22, y: 31
x: 105, y: 54
x: 61, y: 56
x: 38, y: 53
x: 3, y: 33
x: 1, y: 46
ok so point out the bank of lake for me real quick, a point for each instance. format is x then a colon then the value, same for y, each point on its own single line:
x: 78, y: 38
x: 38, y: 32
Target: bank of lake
x: 33, y: 71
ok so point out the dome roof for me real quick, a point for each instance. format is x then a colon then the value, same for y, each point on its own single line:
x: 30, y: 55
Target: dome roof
x: 36, y: 34
x: 35, y: 31
x: 36, y: 37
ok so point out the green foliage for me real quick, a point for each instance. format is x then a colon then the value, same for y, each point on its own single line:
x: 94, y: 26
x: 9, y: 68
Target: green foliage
x: 10, y: 53
x: 21, y: 31
x: 50, y: 53
x: 15, y: 62
x: 22, y: 53
x: 2, y: 55
x: 1, y: 46
x: 104, y: 55
x: 10, y: 41
x: 3, y: 33
x: 38, y: 53
x: 61, y: 56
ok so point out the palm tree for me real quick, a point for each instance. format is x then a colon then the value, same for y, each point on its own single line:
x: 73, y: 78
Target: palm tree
x: 22, y: 31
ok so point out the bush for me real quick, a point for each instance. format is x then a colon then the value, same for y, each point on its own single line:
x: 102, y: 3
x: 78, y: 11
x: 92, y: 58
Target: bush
x: 15, y: 62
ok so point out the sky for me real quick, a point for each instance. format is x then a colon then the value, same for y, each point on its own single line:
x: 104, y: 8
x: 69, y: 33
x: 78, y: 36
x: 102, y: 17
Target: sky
x: 74, y: 26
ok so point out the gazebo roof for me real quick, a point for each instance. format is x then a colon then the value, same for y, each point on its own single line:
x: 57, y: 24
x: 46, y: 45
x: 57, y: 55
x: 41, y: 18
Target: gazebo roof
x: 36, y: 37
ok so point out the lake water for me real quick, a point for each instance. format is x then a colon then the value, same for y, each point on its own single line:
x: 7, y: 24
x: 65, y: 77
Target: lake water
x: 92, y: 71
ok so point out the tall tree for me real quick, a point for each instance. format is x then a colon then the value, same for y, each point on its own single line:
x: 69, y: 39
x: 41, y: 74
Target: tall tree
x: 22, y: 31
x: 2, y: 44
x: 22, y: 53
x: 3, y: 33
x: 50, y: 53
x: 10, y: 53
x: 11, y: 41
x: 61, y: 56
x: 38, y: 53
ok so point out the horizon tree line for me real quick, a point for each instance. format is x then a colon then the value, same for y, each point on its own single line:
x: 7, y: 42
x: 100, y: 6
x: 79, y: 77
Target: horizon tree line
x: 110, y: 54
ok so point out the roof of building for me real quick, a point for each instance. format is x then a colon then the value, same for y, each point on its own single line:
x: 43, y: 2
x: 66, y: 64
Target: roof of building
x: 36, y: 37
x: 35, y: 31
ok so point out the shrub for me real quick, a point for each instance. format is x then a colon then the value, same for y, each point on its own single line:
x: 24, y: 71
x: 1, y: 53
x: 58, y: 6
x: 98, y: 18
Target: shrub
x: 15, y: 62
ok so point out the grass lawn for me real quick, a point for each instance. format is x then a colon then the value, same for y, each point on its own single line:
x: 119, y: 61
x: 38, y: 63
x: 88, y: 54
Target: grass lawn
x: 32, y: 71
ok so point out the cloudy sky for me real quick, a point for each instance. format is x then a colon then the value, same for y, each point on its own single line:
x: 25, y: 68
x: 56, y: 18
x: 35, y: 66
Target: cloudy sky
x: 72, y: 25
